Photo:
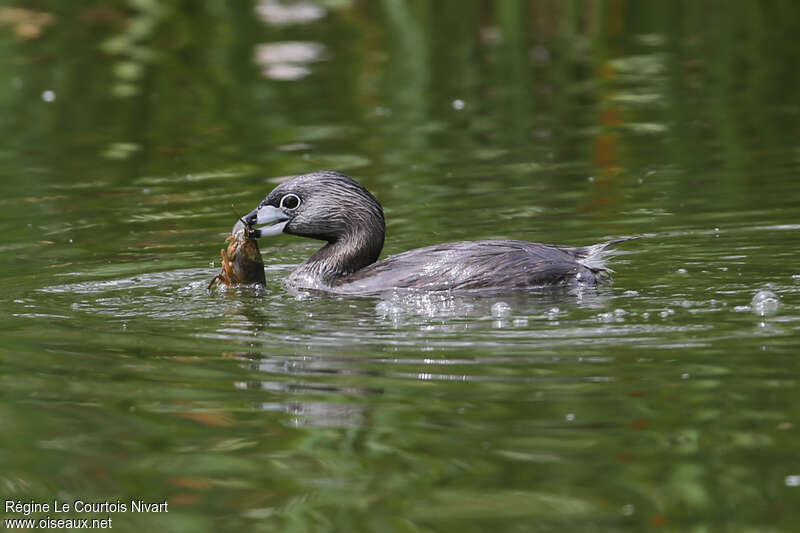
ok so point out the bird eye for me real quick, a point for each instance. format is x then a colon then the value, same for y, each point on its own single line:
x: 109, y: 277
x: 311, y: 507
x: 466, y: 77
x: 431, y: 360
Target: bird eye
x: 290, y: 201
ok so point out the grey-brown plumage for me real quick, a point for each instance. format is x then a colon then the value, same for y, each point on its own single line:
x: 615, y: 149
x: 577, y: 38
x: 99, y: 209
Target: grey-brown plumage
x: 334, y: 208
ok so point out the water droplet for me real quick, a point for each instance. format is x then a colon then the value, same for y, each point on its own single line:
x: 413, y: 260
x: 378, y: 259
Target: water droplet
x: 765, y: 303
x: 458, y: 105
x: 501, y: 309
x: 48, y: 96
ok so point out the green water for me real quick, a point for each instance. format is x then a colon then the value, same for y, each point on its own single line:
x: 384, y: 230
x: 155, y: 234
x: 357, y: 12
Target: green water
x: 133, y: 134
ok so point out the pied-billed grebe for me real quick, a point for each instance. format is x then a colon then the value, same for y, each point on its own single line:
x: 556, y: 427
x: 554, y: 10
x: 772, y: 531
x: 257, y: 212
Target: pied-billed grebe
x: 335, y: 208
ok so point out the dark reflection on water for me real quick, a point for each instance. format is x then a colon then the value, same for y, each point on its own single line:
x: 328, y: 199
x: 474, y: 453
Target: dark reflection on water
x: 136, y: 133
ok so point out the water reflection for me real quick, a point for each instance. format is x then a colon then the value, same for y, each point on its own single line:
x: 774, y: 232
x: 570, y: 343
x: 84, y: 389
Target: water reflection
x: 133, y: 48
x: 665, y: 401
x: 288, y: 60
x: 26, y: 23
x: 285, y: 13
x: 307, y: 412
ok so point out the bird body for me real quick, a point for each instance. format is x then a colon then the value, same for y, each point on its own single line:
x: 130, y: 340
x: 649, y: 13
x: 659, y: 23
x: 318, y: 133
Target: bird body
x: 467, y: 265
x: 334, y: 208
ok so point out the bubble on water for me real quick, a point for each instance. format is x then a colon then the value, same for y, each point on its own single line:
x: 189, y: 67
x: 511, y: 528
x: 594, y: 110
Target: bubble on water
x: 458, y: 105
x: 617, y: 315
x: 682, y: 271
x: 570, y: 417
x: 605, y: 317
x: 792, y: 481
x: 49, y: 96
x: 796, y: 277
x: 501, y: 309
x: 765, y: 303
x: 627, y: 509
x: 666, y: 312
x: 630, y: 293
x: 686, y: 375
x: 645, y: 315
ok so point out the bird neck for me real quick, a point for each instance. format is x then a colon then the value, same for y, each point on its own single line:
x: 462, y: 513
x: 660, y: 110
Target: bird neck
x: 345, y: 255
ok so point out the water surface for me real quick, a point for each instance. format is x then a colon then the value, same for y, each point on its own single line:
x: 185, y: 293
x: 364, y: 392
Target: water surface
x: 135, y: 134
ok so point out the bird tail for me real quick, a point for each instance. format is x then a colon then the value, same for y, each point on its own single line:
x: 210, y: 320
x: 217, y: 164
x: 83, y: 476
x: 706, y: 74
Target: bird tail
x: 596, y: 256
